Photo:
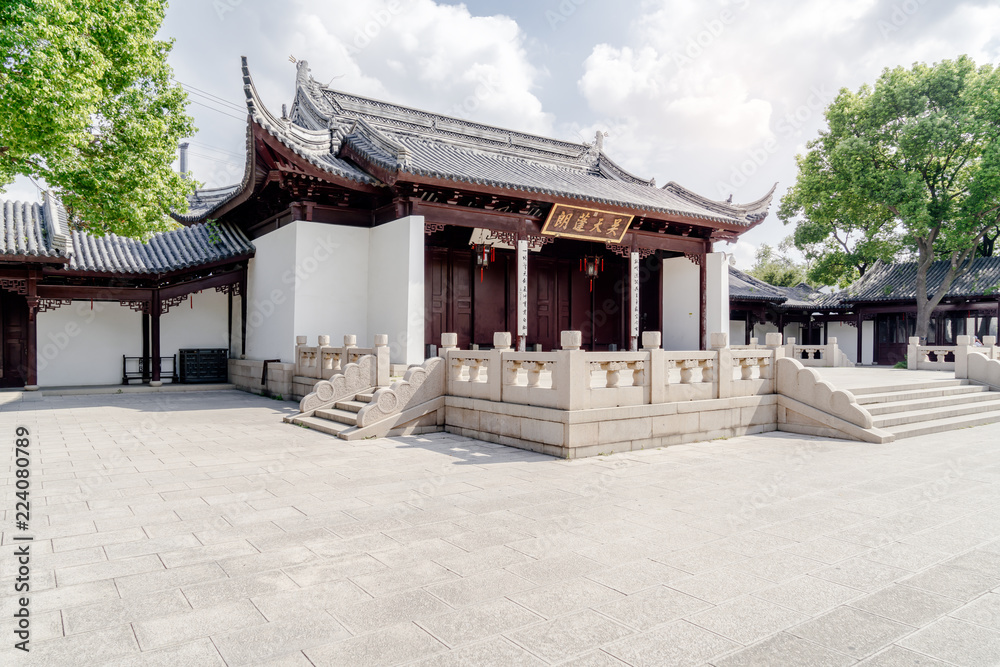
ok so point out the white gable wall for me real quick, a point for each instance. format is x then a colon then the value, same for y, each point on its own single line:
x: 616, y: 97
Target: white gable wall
x: 330, y: 275
x: 271, y: 300
x: 396, y: 287
x: 681, y: 307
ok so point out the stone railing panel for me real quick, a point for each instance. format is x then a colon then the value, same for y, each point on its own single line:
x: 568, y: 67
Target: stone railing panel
x: 535, y: 378
x: 690, y: 376
x: 474, y: 374
x: 752, y: 372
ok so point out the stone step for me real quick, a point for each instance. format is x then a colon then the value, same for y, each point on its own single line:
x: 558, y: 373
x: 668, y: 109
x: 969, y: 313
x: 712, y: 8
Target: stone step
x: 941, y: 425
x: 933, y: 402
x: 905, y: 393
x: 350, y: 406
x: 934, y: 414
x: 321, y: 425
x: 924, y: 384
x: 365, y: 396
x: 335, y: 415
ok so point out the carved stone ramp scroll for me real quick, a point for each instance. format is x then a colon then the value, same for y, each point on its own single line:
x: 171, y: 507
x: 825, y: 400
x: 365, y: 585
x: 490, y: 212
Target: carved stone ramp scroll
x: 416, y: 401
x: 357, y: 377
x: 810, y: 406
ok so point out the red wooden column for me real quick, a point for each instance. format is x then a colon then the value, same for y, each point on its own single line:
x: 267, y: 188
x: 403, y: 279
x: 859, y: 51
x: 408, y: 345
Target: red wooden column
x: 861, y: 340
x: 154, y: 330
x: 244, y: 297
x: 145, y: 346
x: 31, y: 374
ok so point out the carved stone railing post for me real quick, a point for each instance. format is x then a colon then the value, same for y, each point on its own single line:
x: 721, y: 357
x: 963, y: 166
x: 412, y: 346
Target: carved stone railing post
x: 912, y: 353
x: 656, y: 372
x: 381, y: 354
x: 719, y: 343
x: 300, y: 344
x: 572, y: 372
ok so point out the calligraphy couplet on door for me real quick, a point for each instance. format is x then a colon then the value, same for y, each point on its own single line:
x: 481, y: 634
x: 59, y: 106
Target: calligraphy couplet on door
x: 586, y: 223
x: 634, y: 261
x: 522, y: 288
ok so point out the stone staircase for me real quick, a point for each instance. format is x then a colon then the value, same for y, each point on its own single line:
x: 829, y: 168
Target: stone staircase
x: 339, y: 419
x: 931, y: 406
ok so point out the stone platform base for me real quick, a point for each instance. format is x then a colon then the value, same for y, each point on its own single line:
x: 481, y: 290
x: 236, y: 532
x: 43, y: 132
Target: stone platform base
x: 584, y: 433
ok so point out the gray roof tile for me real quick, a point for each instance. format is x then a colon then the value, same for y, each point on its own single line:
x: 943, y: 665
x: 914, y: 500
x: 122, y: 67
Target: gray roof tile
x: 41, y: 230
x: 411, y: 141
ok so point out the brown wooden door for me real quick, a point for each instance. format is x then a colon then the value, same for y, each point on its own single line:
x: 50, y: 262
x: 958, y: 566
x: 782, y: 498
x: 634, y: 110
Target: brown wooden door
x: 543, y: 303
x: 448, y: 306
x: 490, y: 306
x: 14, y: 333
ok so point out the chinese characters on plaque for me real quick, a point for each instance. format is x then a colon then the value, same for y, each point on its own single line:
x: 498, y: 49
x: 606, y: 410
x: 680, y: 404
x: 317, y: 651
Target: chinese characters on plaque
x: 585, y: 223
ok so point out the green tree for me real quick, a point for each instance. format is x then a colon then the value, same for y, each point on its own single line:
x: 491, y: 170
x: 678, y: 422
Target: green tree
x: 87, y: 105
x: 775, y: 267
x: 840, y: 233
x: 917, y: 152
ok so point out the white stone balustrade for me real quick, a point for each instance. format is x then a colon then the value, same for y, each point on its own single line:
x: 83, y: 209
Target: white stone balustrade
x: 819, y: 356
x: 573, y: 379
x: 935, y: 357
x: 322, y: 361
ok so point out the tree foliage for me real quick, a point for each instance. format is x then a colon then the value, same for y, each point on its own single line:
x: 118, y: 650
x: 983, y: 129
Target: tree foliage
x: 87, y: 105
x: 776, y: 267
x: 909, y: 166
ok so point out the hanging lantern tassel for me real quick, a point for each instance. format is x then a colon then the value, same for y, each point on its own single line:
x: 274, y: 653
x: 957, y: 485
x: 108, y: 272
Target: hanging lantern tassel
x: 191, y: 301
x: 91, y: 304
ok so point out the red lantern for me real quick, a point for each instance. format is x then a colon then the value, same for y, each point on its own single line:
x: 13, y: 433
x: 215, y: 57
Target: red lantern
x: 592, y: 266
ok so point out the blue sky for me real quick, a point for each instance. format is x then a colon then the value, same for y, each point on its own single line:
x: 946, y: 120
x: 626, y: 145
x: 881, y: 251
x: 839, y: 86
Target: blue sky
x: 718, y: 95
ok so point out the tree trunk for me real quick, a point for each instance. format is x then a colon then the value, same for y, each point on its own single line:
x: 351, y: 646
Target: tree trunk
x: 925, y: 305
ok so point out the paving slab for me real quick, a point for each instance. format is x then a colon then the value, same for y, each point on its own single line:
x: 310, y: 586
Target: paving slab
x: 197, y: 529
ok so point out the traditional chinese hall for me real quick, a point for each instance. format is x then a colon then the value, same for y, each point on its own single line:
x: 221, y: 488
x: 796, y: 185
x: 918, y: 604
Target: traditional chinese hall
x: 370, y: 217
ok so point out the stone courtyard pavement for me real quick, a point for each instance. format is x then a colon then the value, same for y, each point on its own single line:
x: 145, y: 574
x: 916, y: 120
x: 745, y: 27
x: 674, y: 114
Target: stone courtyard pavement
x: 197, y: 529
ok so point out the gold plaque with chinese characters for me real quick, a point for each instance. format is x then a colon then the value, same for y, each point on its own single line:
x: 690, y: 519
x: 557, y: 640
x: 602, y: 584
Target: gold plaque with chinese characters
x: 586, y: 223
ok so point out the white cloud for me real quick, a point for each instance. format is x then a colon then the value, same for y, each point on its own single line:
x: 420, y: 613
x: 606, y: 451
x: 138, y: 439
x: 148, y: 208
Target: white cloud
x: 420, y: 53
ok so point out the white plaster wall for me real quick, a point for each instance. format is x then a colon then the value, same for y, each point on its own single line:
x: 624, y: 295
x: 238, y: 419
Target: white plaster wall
x: 78, y: 345
x: 737, y: 332
x: 330, y: 274
x: 760, y: 331
x: 716, y: 293
x: 867, y: 342
x: 396, y: 287
x: 271, y: 302
x: 681, y: 296
x: 197, y: 322
x: 847, y: 339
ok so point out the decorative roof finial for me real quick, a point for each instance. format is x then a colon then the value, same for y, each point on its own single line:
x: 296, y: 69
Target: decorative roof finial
x: 599, y: 140
x: 729, y: 200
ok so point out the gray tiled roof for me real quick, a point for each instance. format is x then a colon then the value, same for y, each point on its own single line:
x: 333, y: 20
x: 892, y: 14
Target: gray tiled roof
x: 893, y: 282
x: 164, y: 252
x: 33, y: 230
x: 41, y: 230
x: 744, y: 287
x: 405, y: 141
